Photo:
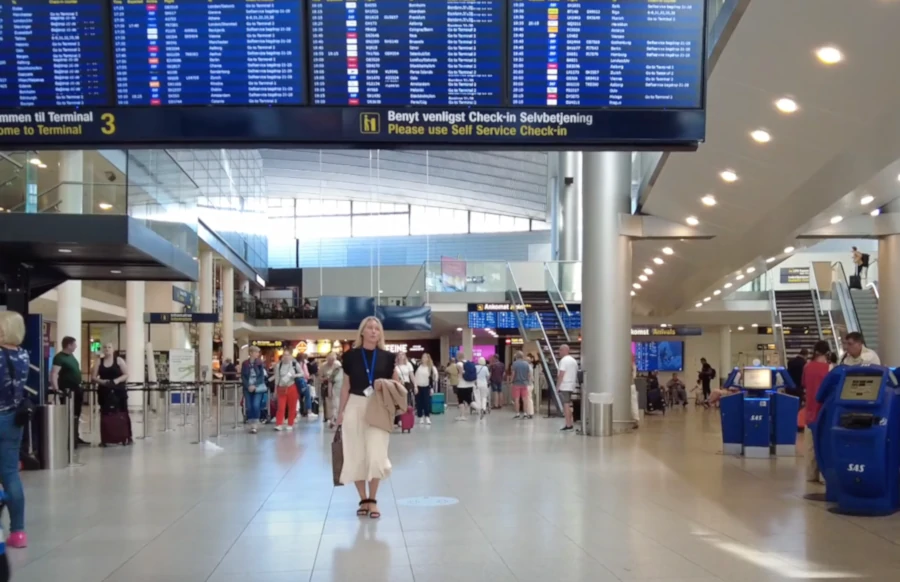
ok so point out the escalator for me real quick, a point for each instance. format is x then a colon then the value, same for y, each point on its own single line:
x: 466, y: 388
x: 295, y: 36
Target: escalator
x: 865, y: 302
x: 854, y: 310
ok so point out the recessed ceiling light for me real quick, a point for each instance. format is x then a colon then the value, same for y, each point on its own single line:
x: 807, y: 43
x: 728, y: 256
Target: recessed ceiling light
x: 761, y: 136
x: 739, y: 277
x: 707, y: 299
x: 836, y: 219
x: 115, y: 271
x: 755, y: 325
x: 658, y: 261
x: 663, y: 325
x: 728, y: 175
x: 648, y: 271
x: 66, y: 251
x: 740, y: 328
x: 750, y: 270
x: 636, y: 285
x: 770, y: 260
x: 727, y: 285
x: 42, y: 166
x: 708, y: 200
x: 633, y: 293
x: 458, y: 329
x: 788, y: 249
x: 35, y: 161
x: 875, y: 212
x: 105, y: 206
x: 786, y: 105
x: 867, y: 199
x: 717, y: 292
x: 698, y: 305
x: 829, y: 55
x: 643, y: 278
x: 667, y: 251
x: 1, y: 209
x: 692, y: 220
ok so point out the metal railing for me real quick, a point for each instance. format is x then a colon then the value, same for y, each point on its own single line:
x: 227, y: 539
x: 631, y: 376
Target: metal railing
x: 777, y: 326
x: 514, y: 295
x: 556, y: 299
x: 820, y: 311
x: 840, y: 292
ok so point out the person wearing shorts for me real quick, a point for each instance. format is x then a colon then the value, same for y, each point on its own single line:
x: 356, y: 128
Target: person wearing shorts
x: 497, y: 372
x: 465, y: 390
x: 521, y: 378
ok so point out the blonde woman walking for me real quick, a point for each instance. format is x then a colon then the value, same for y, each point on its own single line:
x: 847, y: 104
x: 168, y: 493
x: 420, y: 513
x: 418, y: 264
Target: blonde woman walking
x: 426, y: 378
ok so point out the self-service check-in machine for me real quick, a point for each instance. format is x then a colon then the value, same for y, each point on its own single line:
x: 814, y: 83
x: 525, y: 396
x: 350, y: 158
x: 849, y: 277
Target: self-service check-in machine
x: 857, y: 440
x: 759, y: 420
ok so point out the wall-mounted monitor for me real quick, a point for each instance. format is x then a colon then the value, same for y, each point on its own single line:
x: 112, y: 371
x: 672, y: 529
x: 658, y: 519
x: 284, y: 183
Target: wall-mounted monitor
x: 664, y: 356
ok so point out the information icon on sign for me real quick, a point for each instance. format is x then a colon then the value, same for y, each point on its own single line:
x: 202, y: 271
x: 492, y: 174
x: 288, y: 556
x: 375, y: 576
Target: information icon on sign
x: 370, y: 123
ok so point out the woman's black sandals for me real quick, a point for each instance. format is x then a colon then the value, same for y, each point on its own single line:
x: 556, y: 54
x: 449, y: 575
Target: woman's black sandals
x: 363, y: 508
x: 374, y: 514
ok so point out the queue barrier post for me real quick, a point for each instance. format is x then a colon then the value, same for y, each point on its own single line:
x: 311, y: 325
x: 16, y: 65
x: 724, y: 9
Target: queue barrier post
x: 235, y: 404
x: 199, y: 399
x: 145, y: 411
x: 73, y: 433
x: 167, y: 395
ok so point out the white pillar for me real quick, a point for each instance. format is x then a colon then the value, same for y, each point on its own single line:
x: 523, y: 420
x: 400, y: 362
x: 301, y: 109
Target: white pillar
x: 571, y: 208
x: 134, y: 332
x: 227, y: 313
x: 244, y: 347
x: 71, y: 178
x: 468, y: 343
x: 443, y: 357
x: 606, y: 299
x: 724, y: 352
x: 205, y: 289
x: 68, y: 316
x: 889, y: 300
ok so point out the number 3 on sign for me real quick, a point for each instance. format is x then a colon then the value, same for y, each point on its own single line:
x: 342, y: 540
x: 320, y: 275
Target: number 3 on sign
x: 109, y: 124
x: 856, y: 468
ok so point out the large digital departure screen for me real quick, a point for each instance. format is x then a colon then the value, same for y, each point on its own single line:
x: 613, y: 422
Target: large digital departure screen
x: 607, y: 53
x: 664, y: 356
x: 208, y: 52
x: 53, y: 53
x: 407, y: 52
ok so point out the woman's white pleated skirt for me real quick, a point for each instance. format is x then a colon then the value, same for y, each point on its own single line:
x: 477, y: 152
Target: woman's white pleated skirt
x: 365, y: 447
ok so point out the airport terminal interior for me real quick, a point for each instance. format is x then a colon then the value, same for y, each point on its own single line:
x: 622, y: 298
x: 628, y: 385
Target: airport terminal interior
x: 495, y: 290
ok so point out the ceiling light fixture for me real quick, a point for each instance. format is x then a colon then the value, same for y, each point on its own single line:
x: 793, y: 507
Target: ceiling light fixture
x: 105, y: 206
x: 761, y: 136
x: 458, y: 329
x: 728, y: 175
x: 668, y: 251
x: 658, y: 261
x: 692, y: 220
x: 708, y: 200
x: 643, y: 278
x: 65, y: 251
x: 35, y: 161
x: 727, y: 286
x: 786, y: 105
x: 750, y: 270
x: 739, y: 277
x: 836, y: 219
x: 636, y: 285
x: 770, y: 260
x: 707, y: 299
x: 663, y: 325
x: 633, y: 293
x: 829, y: 55
x: 115, y: 271
x: 698, y: 305
x: 648, y: 271
x: 875, y: 212
x: 717, y: 292
x: 740, y: 328
x: 754, y: 325
x: 788, y: 249
x: 867, y: 199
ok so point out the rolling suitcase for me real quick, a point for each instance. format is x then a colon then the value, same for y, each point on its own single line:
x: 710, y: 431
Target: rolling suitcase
x: 115, y: 428
x: 438, y: 402
x: 855, y: 282
x: 408, y: 418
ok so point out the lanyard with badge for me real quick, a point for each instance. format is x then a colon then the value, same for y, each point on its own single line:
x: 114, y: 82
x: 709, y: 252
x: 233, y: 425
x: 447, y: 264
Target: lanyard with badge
x: 370, y: 371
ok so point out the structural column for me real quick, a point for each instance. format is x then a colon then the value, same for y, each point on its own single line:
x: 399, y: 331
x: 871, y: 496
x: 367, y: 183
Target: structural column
x: 889, y: 299
x: 606, y: 303
x: 227, y: 313
x: 724, y: 351
x: 205, y: 289
x: 468, y: 343
x: 443, y: 358
x: 569, y: 223
x: 68, y: 295
x: 134, y: 333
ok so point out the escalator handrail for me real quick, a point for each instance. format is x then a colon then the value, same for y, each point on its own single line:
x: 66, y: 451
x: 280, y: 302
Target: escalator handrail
x: 559, y: 317
x: 845, y: 298
x: 820, y: 310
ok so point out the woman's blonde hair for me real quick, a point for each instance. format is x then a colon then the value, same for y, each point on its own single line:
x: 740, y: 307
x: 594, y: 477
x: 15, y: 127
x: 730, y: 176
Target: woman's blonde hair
x: 427, y: 361
x: 358, y: 342
x: 398, y: 358
x: 12, y: 328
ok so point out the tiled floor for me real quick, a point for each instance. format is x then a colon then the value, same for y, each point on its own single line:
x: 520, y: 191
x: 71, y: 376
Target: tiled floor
x: 534, y: 505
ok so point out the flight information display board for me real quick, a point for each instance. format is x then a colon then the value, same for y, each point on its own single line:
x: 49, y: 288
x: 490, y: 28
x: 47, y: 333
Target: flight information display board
x: 208, y: 52
x: 607, y: 53
x: 665, y: 356
x: 53, y: 53
x: 506, y: 320
x: 407, y: 52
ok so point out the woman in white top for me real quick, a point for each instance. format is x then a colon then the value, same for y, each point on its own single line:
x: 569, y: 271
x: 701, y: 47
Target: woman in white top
x: 405, y: 374
x: 482, y: 389
x: 426, y: 378
x: 285, y: 375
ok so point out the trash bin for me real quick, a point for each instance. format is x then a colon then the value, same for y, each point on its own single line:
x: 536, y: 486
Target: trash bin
x: 601, y: 404
x: 54, y: 423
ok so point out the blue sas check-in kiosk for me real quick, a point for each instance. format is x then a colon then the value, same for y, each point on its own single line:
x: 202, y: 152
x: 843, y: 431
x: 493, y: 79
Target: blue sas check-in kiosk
x: 759, y: 420
x: 857, y: 440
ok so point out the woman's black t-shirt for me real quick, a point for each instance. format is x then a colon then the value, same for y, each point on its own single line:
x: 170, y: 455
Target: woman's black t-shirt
x: 355, y: 368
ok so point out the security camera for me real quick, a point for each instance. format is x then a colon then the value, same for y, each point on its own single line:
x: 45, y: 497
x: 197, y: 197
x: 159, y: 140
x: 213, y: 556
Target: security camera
x: 111, y: 176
